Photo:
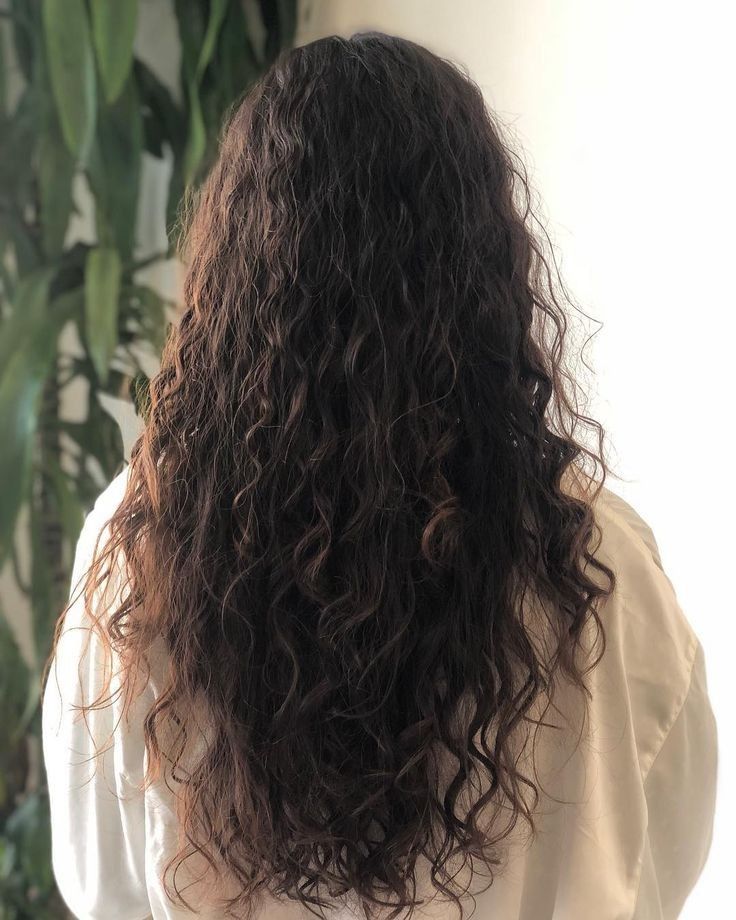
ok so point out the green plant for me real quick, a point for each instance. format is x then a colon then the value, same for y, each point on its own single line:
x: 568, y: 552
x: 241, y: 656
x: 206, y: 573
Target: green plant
x: 79, y: 110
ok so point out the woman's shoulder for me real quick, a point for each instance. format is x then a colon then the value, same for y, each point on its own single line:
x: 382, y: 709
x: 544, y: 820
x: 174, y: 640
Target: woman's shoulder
x: 626, y: 525
x: 621, y: 524
x: 105, y: 505
x: 112, y: 494
x: 650, y: 637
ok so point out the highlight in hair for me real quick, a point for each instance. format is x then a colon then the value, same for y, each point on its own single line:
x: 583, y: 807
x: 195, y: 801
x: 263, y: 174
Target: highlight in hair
x: 351, y: 485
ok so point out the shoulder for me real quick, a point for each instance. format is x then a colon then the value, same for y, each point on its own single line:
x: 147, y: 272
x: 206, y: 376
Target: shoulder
x: 94, y: 533
x: 623, y: 519
x: 104, y: 507
x: 623, y: 530
x: 78, y: 643
x: 650, y: 637
x: 629, y: 544
x: 111, y: 496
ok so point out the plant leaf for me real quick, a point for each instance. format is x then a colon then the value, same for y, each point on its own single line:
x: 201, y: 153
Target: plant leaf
x: 148, y: 309
x: 113, y: 32
x: 218, y: 8
x: 71, y: 514
x: 3, y: 80
x: 56, y: 169
x: 197, y: 139
x: 235, y: 65
x: 192, y: 34
x: 100, y: 438
x: 114, y: 168
x: 28, y: 350
x: 190, y: 20
x: 157, y: 97
x: 28, y: 314
x: 164, y: 121
x: 28, y: 827
x: 279, y: 18
x: 23, y: 16
x: 46, y: 598
x: 287, y: 21
x: 101, y: 305
x: 14, y: 681
x: 71, y: 70
x: 18, y: 137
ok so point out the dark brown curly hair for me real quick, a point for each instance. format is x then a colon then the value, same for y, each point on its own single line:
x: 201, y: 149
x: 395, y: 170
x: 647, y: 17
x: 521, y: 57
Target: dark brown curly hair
x: 362, y: 456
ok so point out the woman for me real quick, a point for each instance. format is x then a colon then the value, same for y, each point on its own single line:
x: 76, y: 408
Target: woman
x: 360, y: 628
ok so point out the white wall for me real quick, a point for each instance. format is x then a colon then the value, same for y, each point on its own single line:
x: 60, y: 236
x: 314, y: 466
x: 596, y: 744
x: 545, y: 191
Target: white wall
x: 625, y: 110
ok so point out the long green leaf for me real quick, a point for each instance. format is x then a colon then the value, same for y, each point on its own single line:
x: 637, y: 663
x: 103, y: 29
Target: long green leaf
x: 218, y: 8
x: 99, y: 438
x: 71, y: 514
x: 14, y: 679
x: 190, y: 18
x: 287, y: 21
x: 68, y: 305
x: 148, y: 310
x: 279, y: 18
x: 56, y: 169
x: 72, y: 71
x: 19, y: 134
x: 32, y: 315
x: 164, y: 122
x: 197, y: 139
x: 23, y: 374
x: 23, y: 16
x: 3, y: 80
x: 163, y: 119
x: 113, y: 31
x: 236, y: 64
x: 46, y: 599
x: 27, y: 349
x: 114, y: 169
x: 28, y: 827
x: 192, y: 35
x: 101, y: 305
x: 28, y: 315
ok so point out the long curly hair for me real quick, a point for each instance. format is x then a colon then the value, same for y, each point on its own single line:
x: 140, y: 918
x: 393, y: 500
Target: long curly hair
x: 361, y: 473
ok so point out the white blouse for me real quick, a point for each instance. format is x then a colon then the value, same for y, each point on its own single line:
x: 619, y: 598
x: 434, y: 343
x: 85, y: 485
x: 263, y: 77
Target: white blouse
x: 629, y: 844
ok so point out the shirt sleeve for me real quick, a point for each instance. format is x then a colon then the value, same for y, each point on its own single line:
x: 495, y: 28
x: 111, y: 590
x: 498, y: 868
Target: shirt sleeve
x: 97, y: 809
x: 680, y: 790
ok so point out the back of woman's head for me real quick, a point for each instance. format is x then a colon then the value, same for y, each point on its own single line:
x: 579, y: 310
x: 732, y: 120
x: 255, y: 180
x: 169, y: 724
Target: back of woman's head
x: 351, y: 477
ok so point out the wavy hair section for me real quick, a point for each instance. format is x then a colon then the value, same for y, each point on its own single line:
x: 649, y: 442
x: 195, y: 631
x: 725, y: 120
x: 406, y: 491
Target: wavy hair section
x: 353, y: 485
